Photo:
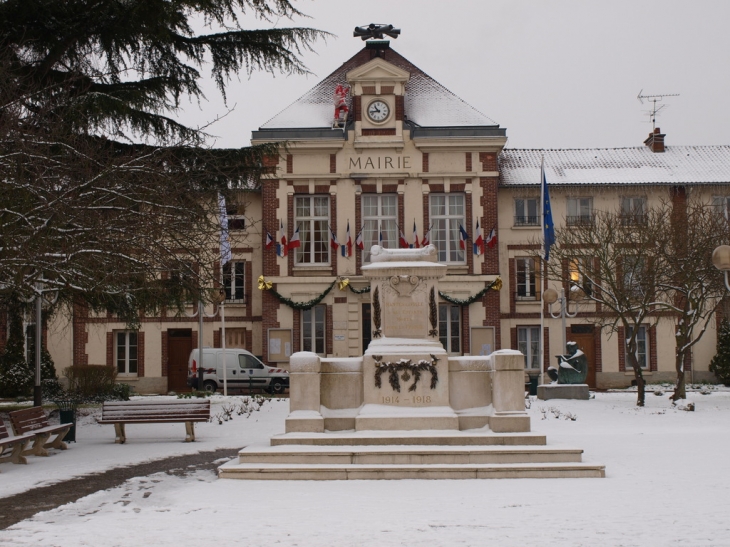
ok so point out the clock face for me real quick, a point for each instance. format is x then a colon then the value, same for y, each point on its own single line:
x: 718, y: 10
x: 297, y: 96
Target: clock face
x: 378, y: 111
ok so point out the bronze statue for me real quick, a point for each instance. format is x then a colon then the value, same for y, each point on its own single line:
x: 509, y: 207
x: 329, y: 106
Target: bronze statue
x: 572, y: 368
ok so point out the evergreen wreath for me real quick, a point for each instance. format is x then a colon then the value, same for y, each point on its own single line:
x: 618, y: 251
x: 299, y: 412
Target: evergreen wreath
x: 376, y: 314
x: 496, y: 285
x: 433, y: 314
x: 409, y: 368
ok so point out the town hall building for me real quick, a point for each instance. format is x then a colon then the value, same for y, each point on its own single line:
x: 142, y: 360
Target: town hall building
x: 379, y: 153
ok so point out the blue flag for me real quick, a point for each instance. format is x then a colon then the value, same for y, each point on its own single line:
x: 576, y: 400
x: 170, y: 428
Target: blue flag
x: 225, y: 241
x: 548, y: 230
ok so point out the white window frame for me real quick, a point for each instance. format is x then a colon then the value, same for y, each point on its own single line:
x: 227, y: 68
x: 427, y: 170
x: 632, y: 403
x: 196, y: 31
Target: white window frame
x: 528, y: 343
x: 450, y: 328
x: 642, y: 347
x: 722, y: 205
x: 579, y: 211
x: 633, y: 209
x: 445, y: 227
x: 522, y: 212
x: 632, y: 274
x: 234, y: 277
x: 126, y: 359
x: 525, y: 266
x: 317, y: 251
x: 383, y: 219
x: 312, y: 340
x: 577, y: 280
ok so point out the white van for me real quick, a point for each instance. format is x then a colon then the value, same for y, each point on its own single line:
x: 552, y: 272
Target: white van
x: 243, y: 370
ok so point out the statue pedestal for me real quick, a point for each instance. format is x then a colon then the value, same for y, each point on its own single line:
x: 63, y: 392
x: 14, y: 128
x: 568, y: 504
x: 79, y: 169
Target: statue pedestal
x: 546, y: 392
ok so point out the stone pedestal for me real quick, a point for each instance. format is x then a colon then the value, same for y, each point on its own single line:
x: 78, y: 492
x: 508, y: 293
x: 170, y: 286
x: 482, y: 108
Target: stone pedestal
x: 546, y: 392
x: 405, y: 369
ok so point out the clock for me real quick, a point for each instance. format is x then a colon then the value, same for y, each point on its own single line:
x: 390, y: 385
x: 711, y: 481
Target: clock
x: 378, y: 111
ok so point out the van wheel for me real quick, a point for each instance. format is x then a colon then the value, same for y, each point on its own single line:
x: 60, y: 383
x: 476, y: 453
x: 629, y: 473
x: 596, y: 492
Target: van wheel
x: 210, y: 386
x: 277, y: 386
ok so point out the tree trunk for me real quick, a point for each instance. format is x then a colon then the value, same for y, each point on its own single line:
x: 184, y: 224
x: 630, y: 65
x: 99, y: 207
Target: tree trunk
x: 679, y: 387
x: 640, y: 386
x: 638, y: 375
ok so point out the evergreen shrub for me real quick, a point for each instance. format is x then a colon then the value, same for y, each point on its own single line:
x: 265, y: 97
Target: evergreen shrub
x: 720, y: 363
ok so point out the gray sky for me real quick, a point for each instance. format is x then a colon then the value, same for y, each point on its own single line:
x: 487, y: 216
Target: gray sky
x: 556, y: 74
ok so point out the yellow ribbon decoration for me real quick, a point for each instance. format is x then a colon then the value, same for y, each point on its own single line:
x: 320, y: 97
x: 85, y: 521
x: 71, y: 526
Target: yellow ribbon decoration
x: 263, y: 284
x: 497, y: 284
x: 342, y: 283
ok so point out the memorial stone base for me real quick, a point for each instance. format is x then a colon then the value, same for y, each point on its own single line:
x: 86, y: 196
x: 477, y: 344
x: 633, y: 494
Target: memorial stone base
x: 546, y: 392
x: 406, y: 409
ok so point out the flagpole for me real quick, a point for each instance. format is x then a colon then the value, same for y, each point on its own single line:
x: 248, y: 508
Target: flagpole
x: 223, y: 343
x: 542, y: 305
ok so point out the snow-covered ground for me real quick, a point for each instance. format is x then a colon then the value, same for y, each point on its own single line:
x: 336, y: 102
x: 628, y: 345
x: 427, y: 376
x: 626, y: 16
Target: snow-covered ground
x: 666, y: 484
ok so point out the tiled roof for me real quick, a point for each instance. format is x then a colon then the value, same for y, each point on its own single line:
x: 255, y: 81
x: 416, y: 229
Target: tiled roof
x: 427, y: 102
x: 677, y: 165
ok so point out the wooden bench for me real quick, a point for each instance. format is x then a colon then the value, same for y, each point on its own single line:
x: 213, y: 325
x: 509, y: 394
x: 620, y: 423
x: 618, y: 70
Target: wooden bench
x: 143, y: 411
x: 15, y: 444
x: 34, y: 421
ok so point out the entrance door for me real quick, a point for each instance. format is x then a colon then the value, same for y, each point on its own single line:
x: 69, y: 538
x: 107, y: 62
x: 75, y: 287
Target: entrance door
x: 366, y: 327
x: 179, y: 346
x: 583, y: 336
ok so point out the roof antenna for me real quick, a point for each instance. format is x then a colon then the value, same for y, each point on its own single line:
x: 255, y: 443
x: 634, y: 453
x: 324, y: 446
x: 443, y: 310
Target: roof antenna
x: 655, y: 99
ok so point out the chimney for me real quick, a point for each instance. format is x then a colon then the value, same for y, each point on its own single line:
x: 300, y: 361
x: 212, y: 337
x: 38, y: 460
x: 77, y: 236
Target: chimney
x: 655, y: 141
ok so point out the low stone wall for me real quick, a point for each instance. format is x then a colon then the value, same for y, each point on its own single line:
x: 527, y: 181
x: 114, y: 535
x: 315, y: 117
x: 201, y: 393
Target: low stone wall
x: 327, y: 394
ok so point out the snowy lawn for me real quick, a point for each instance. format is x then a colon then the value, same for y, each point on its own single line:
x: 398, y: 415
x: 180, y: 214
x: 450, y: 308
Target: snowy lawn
x: 666, y: 484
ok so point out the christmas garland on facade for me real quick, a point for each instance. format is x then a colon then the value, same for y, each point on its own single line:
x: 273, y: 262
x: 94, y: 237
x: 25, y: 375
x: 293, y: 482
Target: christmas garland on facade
x: 496, y: 285
x: 409, y: 368
x: 268, y: 286
x: 344, y: 283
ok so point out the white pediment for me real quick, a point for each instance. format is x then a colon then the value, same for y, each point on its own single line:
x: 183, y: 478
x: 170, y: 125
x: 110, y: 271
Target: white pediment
x: 377, y: 70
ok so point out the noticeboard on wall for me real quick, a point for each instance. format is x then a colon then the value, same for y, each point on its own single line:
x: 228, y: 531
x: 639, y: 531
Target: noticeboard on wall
x: 280, y: 346
x: 482, y: 340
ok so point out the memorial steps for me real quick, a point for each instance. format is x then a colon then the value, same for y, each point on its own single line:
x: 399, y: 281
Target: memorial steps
x: 476, y: 454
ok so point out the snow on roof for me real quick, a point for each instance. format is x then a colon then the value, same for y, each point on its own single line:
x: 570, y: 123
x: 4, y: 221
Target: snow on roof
x: 639, y: 165
x: 427, y: 102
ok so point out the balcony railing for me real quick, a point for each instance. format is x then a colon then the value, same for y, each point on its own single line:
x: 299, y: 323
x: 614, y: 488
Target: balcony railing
x: 579, y: 220
x: 522, y: 220
x: 630, y: 219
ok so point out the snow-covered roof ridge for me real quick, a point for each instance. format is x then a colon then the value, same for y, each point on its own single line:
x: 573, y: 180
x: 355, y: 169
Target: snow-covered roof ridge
x: 427, y: 102
x: 634, y: 165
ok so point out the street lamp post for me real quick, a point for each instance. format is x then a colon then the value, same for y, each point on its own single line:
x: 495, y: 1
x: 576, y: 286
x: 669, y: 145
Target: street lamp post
x: 721, y: 261
x: 550, y: 296
x: 38, y: 299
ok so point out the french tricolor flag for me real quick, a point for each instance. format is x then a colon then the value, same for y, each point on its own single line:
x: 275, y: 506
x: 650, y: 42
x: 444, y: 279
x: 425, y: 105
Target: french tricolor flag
x: 349, y: 240
x: 415, y: 236
x: 426, y: 239
x: 333, y: 240
x: 283, y: 246
x: 269, y: 240
x: 359, y: 243
x: 295, y: 242
x: 478, y: 242
x: 463, y: 236
x: 403, y: 242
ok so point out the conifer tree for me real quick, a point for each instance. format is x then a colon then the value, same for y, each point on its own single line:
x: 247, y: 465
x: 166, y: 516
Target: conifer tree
x: 102, y: 191
x: 720, y: 363
x: 16, y: 374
